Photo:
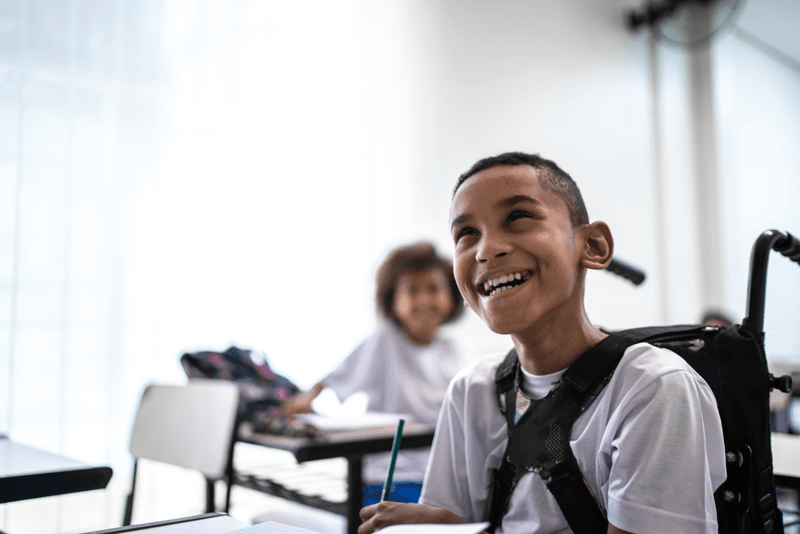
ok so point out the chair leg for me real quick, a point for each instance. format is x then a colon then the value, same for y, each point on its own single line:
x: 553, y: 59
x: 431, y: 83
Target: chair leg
x: 797, y: 496
x: 210, y: 505
x: 126, y: 520
x: 228, y: 494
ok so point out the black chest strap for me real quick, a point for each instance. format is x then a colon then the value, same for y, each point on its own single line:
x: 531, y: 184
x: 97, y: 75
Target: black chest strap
x: 539, y: 440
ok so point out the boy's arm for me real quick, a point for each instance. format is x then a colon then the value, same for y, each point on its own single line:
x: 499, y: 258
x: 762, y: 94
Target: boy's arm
x: 384, y: 514
x: 614, y: 530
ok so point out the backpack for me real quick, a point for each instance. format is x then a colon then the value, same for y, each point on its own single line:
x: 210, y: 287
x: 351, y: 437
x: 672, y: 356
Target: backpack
x: 730, y: 359
x: 262, y: 390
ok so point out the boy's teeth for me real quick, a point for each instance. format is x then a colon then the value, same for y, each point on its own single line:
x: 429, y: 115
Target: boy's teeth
x: 499, y: 289
x: 490, y: 286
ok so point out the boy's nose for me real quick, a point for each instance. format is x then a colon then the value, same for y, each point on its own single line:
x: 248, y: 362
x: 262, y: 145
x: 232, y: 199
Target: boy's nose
x: 491, y: 247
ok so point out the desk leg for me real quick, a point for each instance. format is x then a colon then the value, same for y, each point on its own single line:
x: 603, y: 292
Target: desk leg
x: 211, y: 505
x: 355, y: 493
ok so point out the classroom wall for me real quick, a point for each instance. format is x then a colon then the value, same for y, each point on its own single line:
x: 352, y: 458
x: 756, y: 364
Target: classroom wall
x: 180, y: 176
x: 759, y: 125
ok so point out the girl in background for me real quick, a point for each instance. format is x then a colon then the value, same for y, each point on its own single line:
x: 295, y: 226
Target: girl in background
x: 403, y: 367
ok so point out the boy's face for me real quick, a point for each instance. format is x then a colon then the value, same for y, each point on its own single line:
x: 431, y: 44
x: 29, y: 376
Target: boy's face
x: 422, y: 302
x: 517, y: 256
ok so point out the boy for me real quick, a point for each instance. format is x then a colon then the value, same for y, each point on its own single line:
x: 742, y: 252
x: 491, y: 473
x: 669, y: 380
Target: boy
x: 650, y: 445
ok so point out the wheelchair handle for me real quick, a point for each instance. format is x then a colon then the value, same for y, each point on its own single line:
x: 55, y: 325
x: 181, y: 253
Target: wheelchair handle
x: 782, y: 242
x: 789, y: 247
x: 627, y: 271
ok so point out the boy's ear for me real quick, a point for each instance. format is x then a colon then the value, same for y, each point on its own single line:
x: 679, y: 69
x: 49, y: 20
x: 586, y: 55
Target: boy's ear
x: 598, y: 245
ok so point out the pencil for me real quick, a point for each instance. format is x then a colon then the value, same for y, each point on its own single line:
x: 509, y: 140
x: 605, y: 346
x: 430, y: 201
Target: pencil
x: 398, y: 435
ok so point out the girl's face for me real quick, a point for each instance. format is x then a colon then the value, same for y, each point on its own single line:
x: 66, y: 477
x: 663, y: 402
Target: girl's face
x: 422, y: 302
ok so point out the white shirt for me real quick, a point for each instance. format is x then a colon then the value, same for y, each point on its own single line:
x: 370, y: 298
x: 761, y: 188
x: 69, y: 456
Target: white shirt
x: 650, y: 446
x: 398, y: 376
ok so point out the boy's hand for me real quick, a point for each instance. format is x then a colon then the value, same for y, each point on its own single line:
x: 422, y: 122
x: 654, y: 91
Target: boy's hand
x: 384, y: 514
x: 301, y: 403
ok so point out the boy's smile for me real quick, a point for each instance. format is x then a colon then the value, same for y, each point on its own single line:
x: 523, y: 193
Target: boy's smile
x: 492, y: 286
x: 517, y: 256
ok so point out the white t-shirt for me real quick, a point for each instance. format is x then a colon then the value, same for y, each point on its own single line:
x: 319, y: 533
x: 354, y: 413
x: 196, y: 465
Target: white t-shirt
x: 650, y: 446
x: 398, y: 376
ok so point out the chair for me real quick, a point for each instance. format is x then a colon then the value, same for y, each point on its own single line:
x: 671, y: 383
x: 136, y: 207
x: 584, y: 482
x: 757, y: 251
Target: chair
x: 191, y: 426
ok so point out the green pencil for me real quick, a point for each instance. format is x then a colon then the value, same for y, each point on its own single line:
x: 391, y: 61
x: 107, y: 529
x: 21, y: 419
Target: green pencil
x: 398, y: 435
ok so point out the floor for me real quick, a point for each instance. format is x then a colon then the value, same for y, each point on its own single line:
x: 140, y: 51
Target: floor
x: 788, y: 501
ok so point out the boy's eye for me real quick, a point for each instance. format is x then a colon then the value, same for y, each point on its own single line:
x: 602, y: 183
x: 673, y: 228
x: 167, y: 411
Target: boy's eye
x: 518, y: 214
x: 464, y: 232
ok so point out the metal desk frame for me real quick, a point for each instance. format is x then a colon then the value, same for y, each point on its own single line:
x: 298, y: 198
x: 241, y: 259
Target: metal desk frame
x: 352, y: 445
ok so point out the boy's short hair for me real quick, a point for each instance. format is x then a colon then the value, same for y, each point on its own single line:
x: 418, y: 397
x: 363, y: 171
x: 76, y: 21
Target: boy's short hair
x: 551, y: 176
x: 413, y: 259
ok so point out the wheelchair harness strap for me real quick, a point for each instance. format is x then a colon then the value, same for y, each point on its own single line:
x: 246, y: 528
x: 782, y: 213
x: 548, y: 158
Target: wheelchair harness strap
x: 538, y: 439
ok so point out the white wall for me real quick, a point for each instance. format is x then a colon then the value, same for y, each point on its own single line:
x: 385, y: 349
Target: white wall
x: 571, y: 85
x: 759, y: 126
x: 186, y: 175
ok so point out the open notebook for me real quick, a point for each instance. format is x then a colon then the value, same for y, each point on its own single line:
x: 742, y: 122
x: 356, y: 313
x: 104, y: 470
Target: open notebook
x: 271, y: 527
x: 351, y: 421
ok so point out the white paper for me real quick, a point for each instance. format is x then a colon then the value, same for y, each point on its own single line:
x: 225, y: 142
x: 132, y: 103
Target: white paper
x: 351, y: 422
x: 271, y: 527
x: 469, y: 528
x: 221, y: 524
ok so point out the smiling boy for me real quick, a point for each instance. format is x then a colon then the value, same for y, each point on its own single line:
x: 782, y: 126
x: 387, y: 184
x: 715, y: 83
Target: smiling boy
x: 649, y: 446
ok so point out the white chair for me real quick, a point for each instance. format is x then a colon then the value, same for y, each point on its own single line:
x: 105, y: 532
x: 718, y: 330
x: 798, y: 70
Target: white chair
x: 191, y: 426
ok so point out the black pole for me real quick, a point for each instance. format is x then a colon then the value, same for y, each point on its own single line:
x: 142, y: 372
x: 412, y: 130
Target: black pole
x: 355, y: 493
x: 627, y: 271
x: 126, y: 520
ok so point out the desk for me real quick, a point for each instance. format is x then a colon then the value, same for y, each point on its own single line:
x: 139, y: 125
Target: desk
x: 786, y: 463
x: 28, y: 473
x: 786, y: 459
x: 213, y: 523
x: 352, y: 445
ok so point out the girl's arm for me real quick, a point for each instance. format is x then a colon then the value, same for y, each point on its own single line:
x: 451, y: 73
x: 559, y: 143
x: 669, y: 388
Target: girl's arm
x: 301, y: 403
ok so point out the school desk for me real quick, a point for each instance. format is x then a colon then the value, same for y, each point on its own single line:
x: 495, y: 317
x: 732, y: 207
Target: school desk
x: 786, y: 465
x: 786, y: 459
x: 212, y: 523
x: 352, y: 445
x: 29, y: 473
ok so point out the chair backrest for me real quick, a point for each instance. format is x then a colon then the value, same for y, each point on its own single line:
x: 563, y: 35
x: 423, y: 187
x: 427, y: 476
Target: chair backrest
x: 191, y: 426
